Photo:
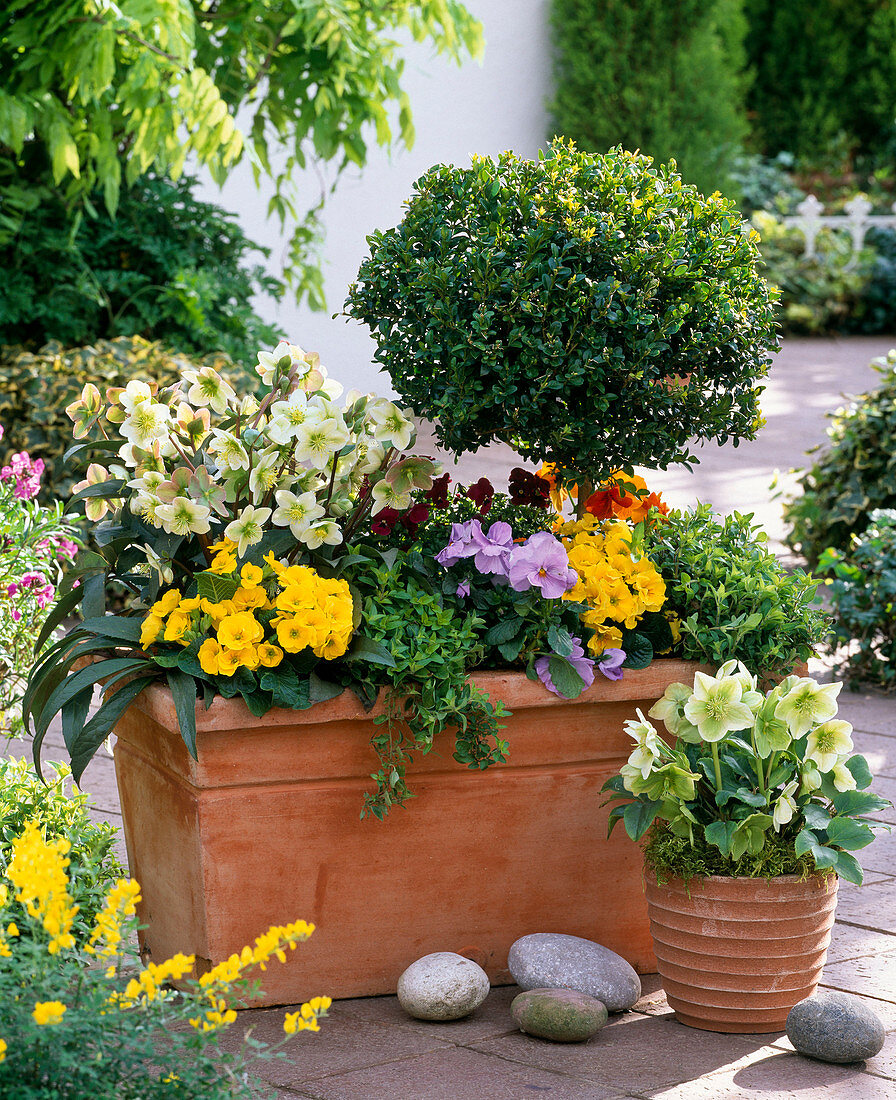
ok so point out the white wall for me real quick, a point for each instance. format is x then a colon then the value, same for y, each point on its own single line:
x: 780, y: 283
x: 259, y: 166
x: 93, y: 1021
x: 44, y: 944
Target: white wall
x: 457, y: 111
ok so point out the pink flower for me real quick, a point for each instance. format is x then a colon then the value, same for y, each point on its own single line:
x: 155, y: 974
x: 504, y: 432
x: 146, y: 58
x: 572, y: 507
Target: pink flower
x: 12, y: 589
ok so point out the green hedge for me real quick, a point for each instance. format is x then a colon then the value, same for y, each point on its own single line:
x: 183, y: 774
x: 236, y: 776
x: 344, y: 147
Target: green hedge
x: 661, y: 76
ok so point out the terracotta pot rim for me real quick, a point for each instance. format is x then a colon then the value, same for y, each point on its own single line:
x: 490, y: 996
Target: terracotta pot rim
x: 814, y: 877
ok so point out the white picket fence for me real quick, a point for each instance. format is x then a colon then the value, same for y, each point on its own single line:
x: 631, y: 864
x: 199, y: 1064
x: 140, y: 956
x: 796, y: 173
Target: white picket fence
x: 810, y: 219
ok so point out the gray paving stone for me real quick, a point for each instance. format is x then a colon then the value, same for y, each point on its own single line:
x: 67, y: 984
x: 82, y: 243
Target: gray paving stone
x: 848, y: 942
x: 782, y: 1075
x: 870, y: 907
x: 869, y: 711
x: 343, y: 1044
x: 457, y: 1074
x: 874, y: 976
x: 636, y: 1053
x: 880, y: 752
x: 491, y: 1019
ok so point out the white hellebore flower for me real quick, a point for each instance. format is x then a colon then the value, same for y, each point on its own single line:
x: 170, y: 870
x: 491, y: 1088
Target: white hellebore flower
x: 287, y: 417
x: 296, y: 512
x: 147, y: 422
x: 828, y: 742
x: 785, y: 807
x: 228, y: 451
x: 716, y: 708
x: 669, y: 709
x: 390, y: 424
x: 208, y: 388
x: 165, y: 572
x: 842, y: 777
x: 370, y: 455
x: 265, y: 476
x: 647, y: 749
x: 268, y: 360
x: 317, y: 443
x: 807, y: 703
x: 184, y: 517
x: 386, y: 496
x: 324, y: 532
x: 134, y: 394
x: 247, y: 528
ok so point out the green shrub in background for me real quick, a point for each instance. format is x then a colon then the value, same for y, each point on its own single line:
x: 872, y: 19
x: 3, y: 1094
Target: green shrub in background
x: 817, y: 295
x: 665, y: 77
x: 167, y: 267
x: 94, y: 867
x: 854, y: 475
x: 863, y: 596
x: 36, y: 387
x: 733, y: 596
x: 822, y: 69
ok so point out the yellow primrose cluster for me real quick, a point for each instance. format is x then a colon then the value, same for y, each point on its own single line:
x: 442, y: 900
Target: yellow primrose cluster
x: 273, y: 610
x: 37, y: 870
x: 617, y: 585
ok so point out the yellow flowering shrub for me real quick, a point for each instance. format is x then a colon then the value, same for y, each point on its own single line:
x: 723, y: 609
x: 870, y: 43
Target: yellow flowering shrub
x: 45, y: 985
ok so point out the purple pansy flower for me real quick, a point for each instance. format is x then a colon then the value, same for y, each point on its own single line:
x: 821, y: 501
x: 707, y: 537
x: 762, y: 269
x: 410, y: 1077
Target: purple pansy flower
x: 461, y: 544
x: 541, y: 562
x: 610, y: 663
x: 582, y: 664
x: 493, y: 548
x: 463, y: 590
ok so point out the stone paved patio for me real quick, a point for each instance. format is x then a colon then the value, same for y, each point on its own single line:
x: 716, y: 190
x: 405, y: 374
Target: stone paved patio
x: 369, y: 1050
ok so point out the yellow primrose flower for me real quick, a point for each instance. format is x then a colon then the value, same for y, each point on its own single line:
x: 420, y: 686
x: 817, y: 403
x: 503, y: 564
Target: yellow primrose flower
x: 249, y: 658
x: 246, y: 599
x: 167, y: 603
x: 48, y: 1012
x: 189, y: 606
x: 177, y: 626
x: 150, y: 629
x: 208, y: 655
x: 251, y: 575
x: 223, y: 545
x: 334, y: 646
x: 648, y: 585
x: 605, y: 637
x: 294, y: 634
x: 239, y: 630
x: 269, y: 656
x: 228, y: 662
x: 223, y: 563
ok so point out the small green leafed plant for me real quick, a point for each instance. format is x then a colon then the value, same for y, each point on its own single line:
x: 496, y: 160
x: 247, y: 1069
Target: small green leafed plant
x: 732, y: 595
x: 853, y: 476
x: 863, y: 594
x: 748, y: 783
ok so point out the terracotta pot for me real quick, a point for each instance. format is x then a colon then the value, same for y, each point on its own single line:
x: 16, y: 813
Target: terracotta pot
x: 264, y: 828
x: 736, y: 954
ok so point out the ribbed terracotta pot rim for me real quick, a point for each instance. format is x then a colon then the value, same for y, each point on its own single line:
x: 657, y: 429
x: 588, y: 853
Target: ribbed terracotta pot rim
x: 736, y: 953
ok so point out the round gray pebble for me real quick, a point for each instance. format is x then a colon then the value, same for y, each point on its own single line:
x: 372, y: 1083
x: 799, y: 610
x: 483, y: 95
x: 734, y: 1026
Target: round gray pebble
x: 442, y: 986
x: 835, y: 1027
x: 551, y: 960
x: 562, y: 1015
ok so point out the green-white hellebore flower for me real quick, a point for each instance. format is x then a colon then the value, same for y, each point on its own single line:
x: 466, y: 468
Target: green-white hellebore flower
x: 842, y: 777
x: 247, y: 528
x: 296, y: 512
x: 785, y: 807
x: 807, y: 703
x: 647, y: 747
x: 207, y: 387
x: 669, y: 709
x: 716, y: 708
x: 184, y: 517
x: 828, y: 742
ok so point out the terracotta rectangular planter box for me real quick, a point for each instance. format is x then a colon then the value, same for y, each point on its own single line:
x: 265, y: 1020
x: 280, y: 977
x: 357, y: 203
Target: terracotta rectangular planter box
x: 264, y: 829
